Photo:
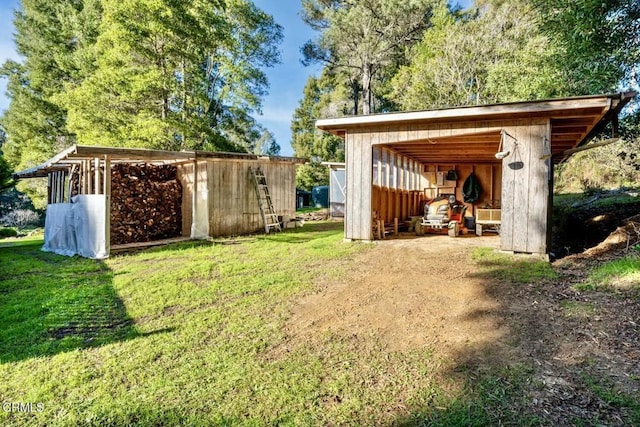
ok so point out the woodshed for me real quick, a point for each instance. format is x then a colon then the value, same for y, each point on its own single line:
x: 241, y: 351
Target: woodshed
x: 126, y: 197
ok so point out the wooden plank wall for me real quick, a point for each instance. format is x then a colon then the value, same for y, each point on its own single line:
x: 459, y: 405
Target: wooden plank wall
x: 185, y: 176
x: 390, y: 203
x: 397, y: 190
x: 525, y: 182
x: 358, y: 156
x: 233, y: 204
x: 228, y: 196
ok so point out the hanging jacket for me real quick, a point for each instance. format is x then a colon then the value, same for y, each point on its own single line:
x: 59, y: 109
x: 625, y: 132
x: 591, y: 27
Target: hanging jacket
x: 471, y: 189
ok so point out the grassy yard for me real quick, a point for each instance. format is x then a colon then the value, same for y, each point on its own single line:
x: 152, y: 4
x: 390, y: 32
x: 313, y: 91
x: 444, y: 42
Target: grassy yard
x: 193, y: 334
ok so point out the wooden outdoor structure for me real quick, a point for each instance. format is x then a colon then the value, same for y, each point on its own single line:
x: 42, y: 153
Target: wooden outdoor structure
x: 218, y: 196
x: 395, y: 161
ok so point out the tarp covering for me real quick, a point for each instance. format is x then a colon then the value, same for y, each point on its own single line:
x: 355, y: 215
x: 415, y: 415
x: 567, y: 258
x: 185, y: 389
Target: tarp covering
x: 200, y: 224
x: 59, y: 234
x: 77, y: 228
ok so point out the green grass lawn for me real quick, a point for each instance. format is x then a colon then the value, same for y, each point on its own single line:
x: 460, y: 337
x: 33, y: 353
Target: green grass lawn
x: 185, y: 334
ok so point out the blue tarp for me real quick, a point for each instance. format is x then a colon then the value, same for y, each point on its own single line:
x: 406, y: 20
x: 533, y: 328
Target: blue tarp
x: 320, y: 196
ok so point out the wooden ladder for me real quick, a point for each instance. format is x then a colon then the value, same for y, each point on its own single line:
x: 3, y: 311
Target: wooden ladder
x: 269, y: 215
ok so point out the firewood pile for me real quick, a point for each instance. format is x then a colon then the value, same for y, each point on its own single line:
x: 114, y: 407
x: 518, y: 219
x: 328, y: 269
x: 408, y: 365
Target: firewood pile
x: 146, y: 203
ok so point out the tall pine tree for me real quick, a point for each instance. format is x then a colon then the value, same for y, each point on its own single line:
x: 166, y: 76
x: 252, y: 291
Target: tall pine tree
x: 176, y: 75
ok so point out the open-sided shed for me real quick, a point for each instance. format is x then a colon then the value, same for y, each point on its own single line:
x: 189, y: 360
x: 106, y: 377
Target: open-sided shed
x: 100, y: 195
x: 396, y: 160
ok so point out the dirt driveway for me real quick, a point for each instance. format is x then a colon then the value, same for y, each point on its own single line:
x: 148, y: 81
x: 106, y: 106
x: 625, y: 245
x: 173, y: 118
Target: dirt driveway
x: 410, y: 293
x: 427, y: 293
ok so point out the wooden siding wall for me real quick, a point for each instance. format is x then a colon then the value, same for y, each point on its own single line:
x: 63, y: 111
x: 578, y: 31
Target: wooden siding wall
x: 231, y: 201
x: 524, y: 189
x: 358, y: 156
x: 233, y: 204
x: 390, y: 203
x: 397, y: 185
x: 185, y: 175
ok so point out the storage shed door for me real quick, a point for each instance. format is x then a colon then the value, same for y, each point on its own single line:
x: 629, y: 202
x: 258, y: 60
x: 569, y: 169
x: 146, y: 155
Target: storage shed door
x: 337, y: 196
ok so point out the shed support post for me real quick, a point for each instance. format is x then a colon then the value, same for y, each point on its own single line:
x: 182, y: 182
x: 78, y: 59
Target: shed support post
x: 54, y: 181
x: 70, y: 190
x: 61, y: 177
x: 49, y: 188
x: 107, y: 204
x: 194, y: 203
x: 96, y: 172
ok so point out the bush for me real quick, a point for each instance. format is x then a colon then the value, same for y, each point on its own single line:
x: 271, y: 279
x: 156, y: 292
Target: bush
x: 8, y: 232
x: 20, y: 218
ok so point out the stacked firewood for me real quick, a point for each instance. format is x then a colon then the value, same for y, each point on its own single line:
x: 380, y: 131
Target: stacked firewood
x: 146, y: 203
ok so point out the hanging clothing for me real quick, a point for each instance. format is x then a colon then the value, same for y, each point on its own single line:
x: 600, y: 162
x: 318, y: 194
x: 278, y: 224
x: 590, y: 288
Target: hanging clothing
x: 471, y: 189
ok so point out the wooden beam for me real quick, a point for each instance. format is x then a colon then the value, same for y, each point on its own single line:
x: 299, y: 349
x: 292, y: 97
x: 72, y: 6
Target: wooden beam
x: 53, y: 186
x: 61, y: 186
x: 96, y: 167
x: 73, y: 169
x: 107, y: 196
x: 590, y: 146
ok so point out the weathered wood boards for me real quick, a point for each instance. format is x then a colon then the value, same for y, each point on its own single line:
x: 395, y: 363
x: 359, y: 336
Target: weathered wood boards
x: 526, y: 179
x: 226, y: 202
x: 525, y: 185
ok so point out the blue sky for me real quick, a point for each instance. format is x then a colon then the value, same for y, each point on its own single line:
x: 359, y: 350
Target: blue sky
x: 286, y: 80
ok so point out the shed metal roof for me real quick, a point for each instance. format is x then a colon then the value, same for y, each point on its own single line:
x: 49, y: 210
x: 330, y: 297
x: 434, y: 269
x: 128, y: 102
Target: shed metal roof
x: 574, y: 121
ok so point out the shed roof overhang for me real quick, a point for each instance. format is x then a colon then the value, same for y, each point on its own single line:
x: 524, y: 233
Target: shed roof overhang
x: 574, y: 122
x: 79, y: 153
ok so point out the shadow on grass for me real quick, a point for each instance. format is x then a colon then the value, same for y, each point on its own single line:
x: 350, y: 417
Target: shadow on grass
x: 523, y: 379
x: 51, y: 304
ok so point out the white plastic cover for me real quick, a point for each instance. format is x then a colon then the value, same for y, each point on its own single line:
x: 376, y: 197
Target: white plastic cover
x: 59, y: 230
x: 89, y: 220
x: 200, y: 224
x: 77, y: 228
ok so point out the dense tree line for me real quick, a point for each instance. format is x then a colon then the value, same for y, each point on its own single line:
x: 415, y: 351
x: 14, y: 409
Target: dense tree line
x: 147, y: 73
x: 391, y: 55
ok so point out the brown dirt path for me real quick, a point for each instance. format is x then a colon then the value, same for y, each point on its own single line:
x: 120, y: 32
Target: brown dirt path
x: 409, y: 293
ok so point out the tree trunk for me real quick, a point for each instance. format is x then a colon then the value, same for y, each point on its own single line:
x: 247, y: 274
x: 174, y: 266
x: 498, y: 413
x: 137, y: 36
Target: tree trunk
x: 355, y: 94
x: 367, y: 73
x: 184, y: 103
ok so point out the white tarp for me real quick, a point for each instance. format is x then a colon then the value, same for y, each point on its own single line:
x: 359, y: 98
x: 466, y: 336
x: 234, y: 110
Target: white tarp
x: 59, y: 234
x: 77, y: 228
x: 200, y: 224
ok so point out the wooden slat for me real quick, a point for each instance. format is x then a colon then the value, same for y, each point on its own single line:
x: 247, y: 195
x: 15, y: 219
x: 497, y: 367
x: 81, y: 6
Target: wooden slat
x: 538, y: 190
x: 508, y: 202
x: 107, y: 195
x: 522, y: 176
x: 96, y: 173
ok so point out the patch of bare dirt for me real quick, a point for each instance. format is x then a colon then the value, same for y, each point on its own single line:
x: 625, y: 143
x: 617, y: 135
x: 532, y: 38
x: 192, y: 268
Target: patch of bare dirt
x: 410, y: 293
